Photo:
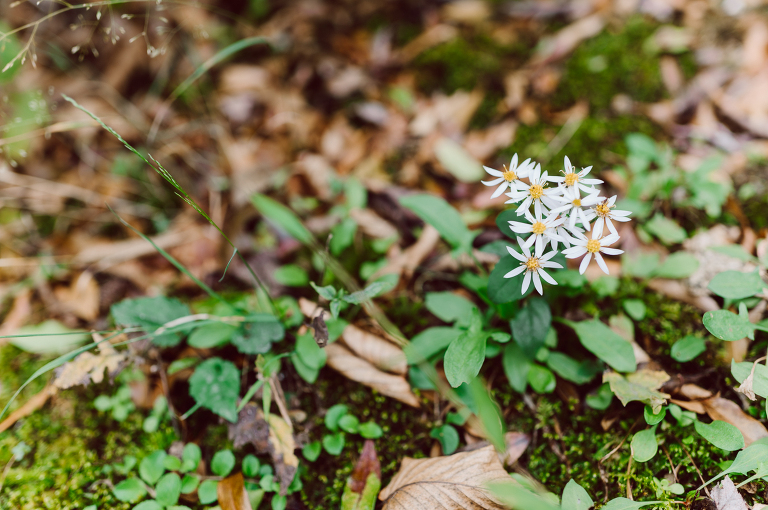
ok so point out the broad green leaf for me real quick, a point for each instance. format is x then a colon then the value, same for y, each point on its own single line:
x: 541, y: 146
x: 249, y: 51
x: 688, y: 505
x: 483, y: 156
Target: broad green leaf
x: 652, y: 418
x: 129, y: 490
x: 605, y: 286
x: 291, y: 275
x: 343, y: 235
x: 502, y: 221
x: 572, y: 370
x: 429, y: 342
x: 355, y: 193
x: 641, y: 145
x: 644, y: 445
x: 734, y: 250
x: 307, y: 349
x: 211, y: 335
x: 441, y: 215
x: 678, y: 265
x: 151, y: 467
x: 639, y: 386
x: 328, y: 292
x: 449, y: 307
x: 727, y: 325
x: 627, y: 504
x: 370, y: 430
x: 333, y: 415
x: 168, y: 489
x: 223, y: 463
x: 666, y: 229
x: 488, y: 412
x: 349, y: 423
x: 634, y: 308
x: 49, y: 337
x: 251, y: 466
x: 9, y: 50
x: 171, y: 463
x: 182, y: 364
x: 148, y: 505
x: 150, y: 313
x: 736, y: 285
x: 742, y: 370
x: 283, y: 217
x: 190, y: 457
x: 464, y: 357
x: 607, y: 345
x: 189, y: 484
x: 541, y: 379
x: 721, y: 434
x: 639, y: 264
x: 257, y: 335
x: 506, y: 290
x: 458, y: 161
x: 334, y: 443
x: 516, y: 367
x: 687, y: 348
x: 531, y: 325
x: 749, y: 459
x: 215, y: 385
x: 448, y: 437
x: 305, y: 371
x: 518, y: 497
x: 312, y: 450
x: 575, y: 497
x: 207, y: 492
x: 601, y: 398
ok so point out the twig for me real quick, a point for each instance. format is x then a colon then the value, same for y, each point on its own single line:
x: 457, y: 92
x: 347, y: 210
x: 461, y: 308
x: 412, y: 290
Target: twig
x: 704, y: 482
x: 629, y: 480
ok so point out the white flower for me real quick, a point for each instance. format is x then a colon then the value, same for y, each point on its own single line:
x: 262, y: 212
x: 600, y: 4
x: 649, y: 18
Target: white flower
x: 574, y: 179
x: 594, y: 246
x: 534, y: 193
x: 509, y: 177
x: 533, y: 266
x: 574, y: 205
x: 605, y: 215
x: 565, y: 235
x: 542, y: 230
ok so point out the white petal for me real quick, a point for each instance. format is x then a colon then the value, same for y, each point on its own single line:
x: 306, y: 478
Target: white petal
x: 493, y: 182
x: 537, y: 208
x: 551, y: 264
x: 611, y: 251
x: 619, y: 212
x: 540, y: 246
x: 609, y: 240
x: 524, y: 247
x: 524, y: 206
x: 568, y: 166
x: 515, y: 272
x: 585, y: 263
x: 591, y: 182
x: 519, y: 227
x: 598, y: 231
x: 537, y: 283
x: 612, y: 200
x: 610, y: 226
x: 575, y: 251
x: 556, y: 178
x: 493, y: 172
x: 548, y: 256
x: 546, y: 277
x: 585, y: 171
x: 530, y: 240
x: 535, y: 176
x: 601, y: 263
x: 500, y: 190
x: 515, y: 254
x: 583, y: 218
x: 526, y: 282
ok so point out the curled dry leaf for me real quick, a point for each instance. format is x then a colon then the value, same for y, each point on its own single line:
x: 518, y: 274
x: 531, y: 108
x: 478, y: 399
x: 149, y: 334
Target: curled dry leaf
x: 454, y: 482
x: 232, y: 494
x: 345, y: 362
x: 89, y: 367
x: 374, y: 349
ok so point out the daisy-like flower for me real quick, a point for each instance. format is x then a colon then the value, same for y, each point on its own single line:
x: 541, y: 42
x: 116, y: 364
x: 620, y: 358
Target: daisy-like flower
x: 534, y: 193
x: 533, y: 266
x: 565, y: 235
x: 509, y: 177
x: 542, y: 230
x: 574, y: 179
x: 605, y: 215
x: 594, y: 246
x: 574, y: 206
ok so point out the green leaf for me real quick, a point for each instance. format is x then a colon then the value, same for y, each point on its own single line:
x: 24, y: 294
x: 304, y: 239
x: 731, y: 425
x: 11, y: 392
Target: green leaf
x: 652, y: 418
x: 291, y: 275
x: 282, y: 216
x: 572, y: 370
x: 215, y: 385
x: 502, y: 221
x: 678, y: 265
x: 635, y: 308
x: 639, y: 264
x: 349, y: 423
x: 151, y: 467
x: 667, y: 230
x: 190, y: 457
x: 168, y: 489
x: 370, y: 430
x: 642, y: 146
x: 541, y: 379
x: 333, y: 415
x: 334, y: 443
x: 606, y: 344
x: 148, y: 505
x: 516, y: 367
x: 727, y: 325
x: 519, y: 497
x: 310, y: 354
x: 211, y: 335
x: 448, y: 437
x: 49, y: 337
x: 306, y: 372
x: 223, y: 463
x: 734, y: 250
x: 251, y: 466
x: 257, y: 335
x: 488, y: 413
x: 721, y: 434
x: 328, y: 292
x: 150, y: 313
x: 189, y: 484
x: 464, y: 357
x: 441, y: 215
x: 575, y: 497
x: 506, y: 290
x: 429, y: 342
x: 182, y: 364
x: 627, y: 504
x: 311, y: 451
x: 742, y: 370
x: 605, y: 286
x: 687, y: 348
x: 531, y: 325
x: 449, y: 307
x: 343, y: 235
x: 748, y: 459
x: 208, y: 492
x: 601, y: 398
x: 355, y: 193
x: 369, y: 292
x: 130, y: 490
x: 644, y: 445
x: 639, y: 386
x: 172, y: 463
x: 458, y: 161
x: 736, y: 285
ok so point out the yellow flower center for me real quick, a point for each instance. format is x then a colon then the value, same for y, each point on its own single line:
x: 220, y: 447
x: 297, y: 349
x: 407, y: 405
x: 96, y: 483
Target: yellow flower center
x: 538, y: 228
x: 532, y: 264
x: 593, y: 246
x: 509, y: 175
x: 571, y: 178
x: 577, y: 202
x: 603, y: 209
x: 536, y: 191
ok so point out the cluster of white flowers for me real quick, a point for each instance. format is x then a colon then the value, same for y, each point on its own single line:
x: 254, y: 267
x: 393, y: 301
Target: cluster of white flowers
x: 560, y: 215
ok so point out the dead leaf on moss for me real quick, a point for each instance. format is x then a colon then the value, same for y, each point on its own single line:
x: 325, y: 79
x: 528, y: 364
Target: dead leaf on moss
x: 641, y: 386
x: 88, y: 367
x: 376, y: 350
x: 232, y: 493
x: 454, y: 482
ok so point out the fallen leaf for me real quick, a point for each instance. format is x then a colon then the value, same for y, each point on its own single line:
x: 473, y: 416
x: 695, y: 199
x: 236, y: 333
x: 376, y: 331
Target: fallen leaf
x: 372, y: 224
x: 367, y: 464
x: 81, y: 297
x: 88, y: 367
x: 359, y: 370
x: 29, y: 407
x: 16, y: 316
x: 726, y: 497
x: 406, y: 262
x: 363, y: 486
x: 641, y: 386
x: 232, y: 493
x: 376, y: 350
x: 454, y: 482
x: 516, y: 444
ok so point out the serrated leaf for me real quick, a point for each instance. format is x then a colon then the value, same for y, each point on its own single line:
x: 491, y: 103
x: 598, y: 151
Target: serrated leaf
x: 736, y: 285
x: 727, y: 325
x: 215, y: 385
x: 721, y: 434
x: 150, y: 313
x: 257, y: 335
x: 441, y: 215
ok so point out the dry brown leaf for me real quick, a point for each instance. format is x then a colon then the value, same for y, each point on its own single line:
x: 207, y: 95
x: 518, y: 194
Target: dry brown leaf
x: 372, y: 224
x: 88, y: 367
x: 564, y: 41
x: 16, y: 315
x: 32, y: 405
x: 232, y: 493
x: 367, y: 463
x: 376, y: 350
x: 406, y: 262
x: 345, y: 362
x: 446, y: 483
x: 433, y: 36
x: 82, y: 297
x: 516, y: 444
x: 727, y: 497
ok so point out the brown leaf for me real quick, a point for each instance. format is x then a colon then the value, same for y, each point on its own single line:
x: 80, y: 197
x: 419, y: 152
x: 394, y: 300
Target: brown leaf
x: 357, y: 369
x: 88, y: 367
x: 376, y: 350
x: 446, y: 483
x: 81, y: 297
x: 516, y: 444
x: 367, y: 463
x: 32, y: 405
x: 320, y: 330
x: 15, y: 318
x: 408, y: 260
x: 232, y: 494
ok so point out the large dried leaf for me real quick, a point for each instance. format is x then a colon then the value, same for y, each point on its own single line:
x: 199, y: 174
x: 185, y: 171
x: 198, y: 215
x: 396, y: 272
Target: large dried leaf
x: 232, y: 493
x: 446, y: 483
x: 378, y: 351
